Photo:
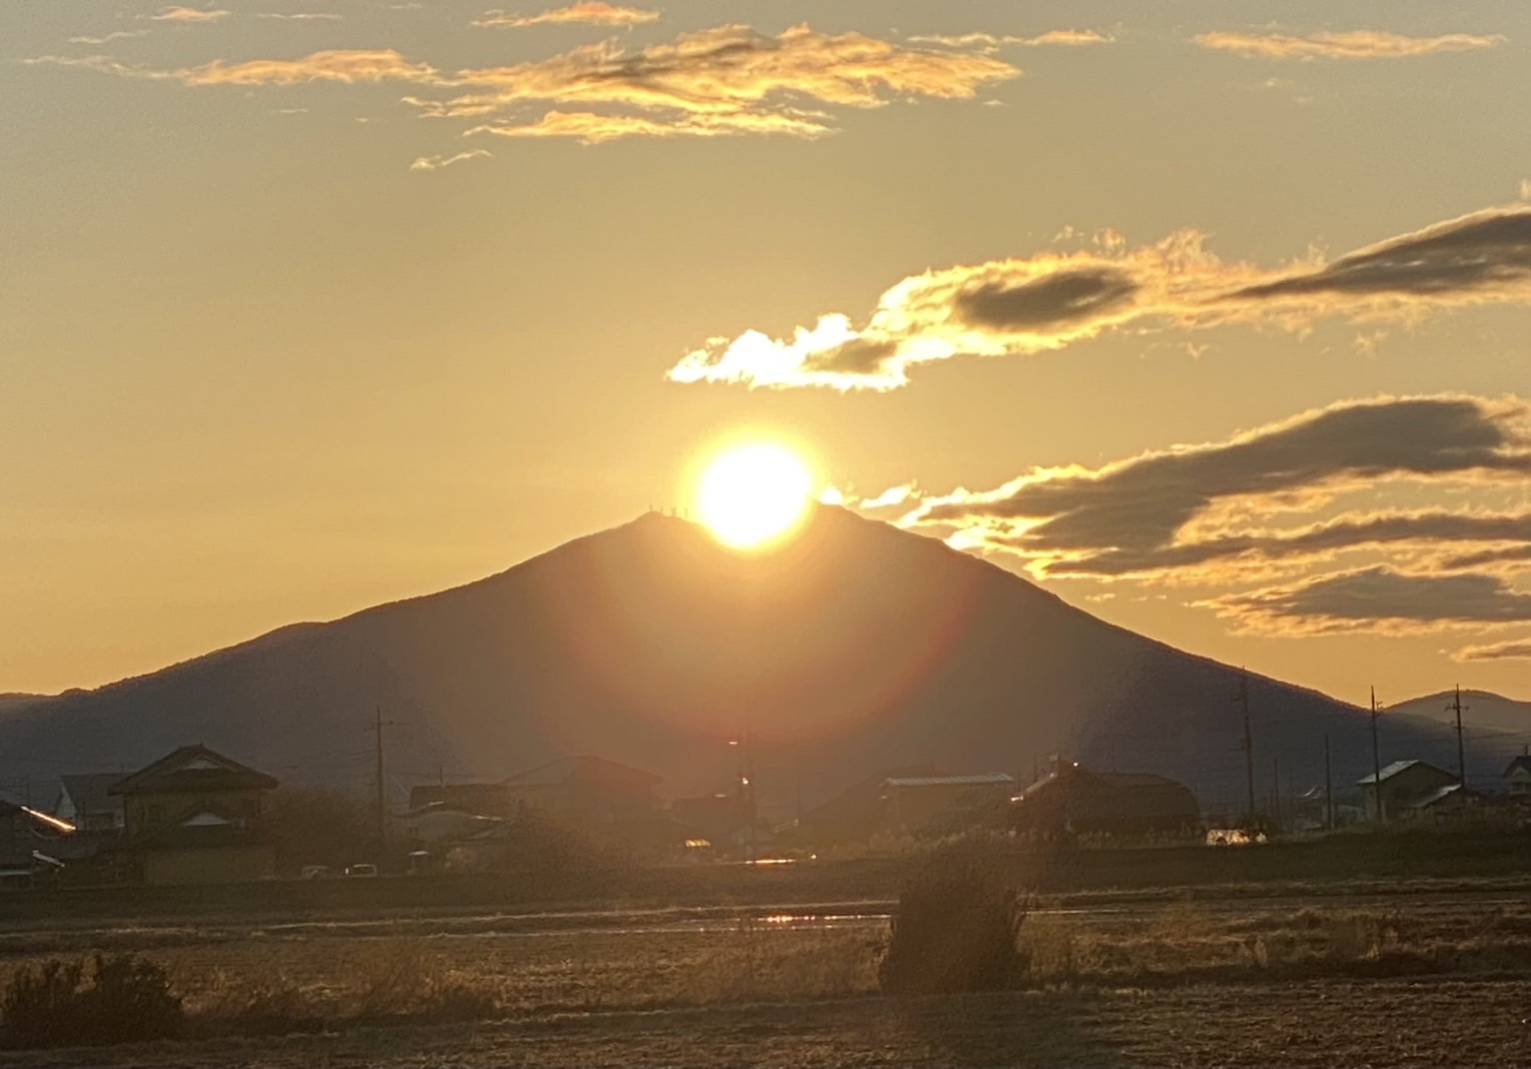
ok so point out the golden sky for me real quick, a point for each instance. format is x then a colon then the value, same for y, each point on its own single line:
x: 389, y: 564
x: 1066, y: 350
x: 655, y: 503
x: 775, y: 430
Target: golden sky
x: 1214, y: 319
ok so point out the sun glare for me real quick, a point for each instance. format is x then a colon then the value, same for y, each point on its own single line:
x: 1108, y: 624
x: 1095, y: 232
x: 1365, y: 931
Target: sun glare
x: 753, y: 495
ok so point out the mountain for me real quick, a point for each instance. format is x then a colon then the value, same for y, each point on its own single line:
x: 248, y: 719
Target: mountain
x: 1481, y: 710
x: 855, y: 647
x: 1495, y: 728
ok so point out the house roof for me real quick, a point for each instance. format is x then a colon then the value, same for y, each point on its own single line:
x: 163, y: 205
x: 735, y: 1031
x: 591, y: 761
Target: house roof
x: 1389, y: 771
x: 90, y: 791
x: 1522, y: 761
x: 1440, y: 795
x: 586, y: 767
x: 193, y: 768
x: 981, y: 779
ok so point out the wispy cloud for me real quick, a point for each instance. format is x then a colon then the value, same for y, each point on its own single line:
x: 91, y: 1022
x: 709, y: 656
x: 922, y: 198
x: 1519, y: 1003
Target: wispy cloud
x: 726, y: 81
x: 188, y: 14
x: 1376, y: 599
x: 1495, y: 651
x: 591, y: 128
x: 593, y: 14
x: 301, y: 16
x: 108, y: 38
x: 436, y: 163
x: 990, y: 42
x: 346, y: 66
x: 1053, y: 299
x: 1352, y: 44
x: 1512, y: 555
x: 731, y: 79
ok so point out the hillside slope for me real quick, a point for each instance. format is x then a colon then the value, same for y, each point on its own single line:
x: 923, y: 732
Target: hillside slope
x: 855, y: 648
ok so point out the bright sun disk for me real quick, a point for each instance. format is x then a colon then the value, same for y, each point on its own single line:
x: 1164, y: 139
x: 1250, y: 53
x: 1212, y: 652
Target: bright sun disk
x: 752, y: 495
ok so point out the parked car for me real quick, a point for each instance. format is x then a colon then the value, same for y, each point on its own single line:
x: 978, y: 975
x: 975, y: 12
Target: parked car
x: 364, y: 868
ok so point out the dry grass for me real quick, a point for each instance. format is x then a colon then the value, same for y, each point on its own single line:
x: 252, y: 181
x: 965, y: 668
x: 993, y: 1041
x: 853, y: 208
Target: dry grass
x: 754, y: 964
x: 275, y: 983
x: 1186, y: 943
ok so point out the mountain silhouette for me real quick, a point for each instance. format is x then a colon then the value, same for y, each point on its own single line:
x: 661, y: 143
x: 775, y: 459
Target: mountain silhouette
x: 854, y: 647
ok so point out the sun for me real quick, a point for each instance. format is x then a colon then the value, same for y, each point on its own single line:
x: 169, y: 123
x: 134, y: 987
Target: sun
x: 752, y: 495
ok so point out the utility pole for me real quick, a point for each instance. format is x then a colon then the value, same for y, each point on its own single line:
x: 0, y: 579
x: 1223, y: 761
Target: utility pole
x: 1456, y: 703
x: 1328, y: 789
x: 1376, y: 762
x: 1249, y: 747
x: 1275, y: 793
x: 376, y: 727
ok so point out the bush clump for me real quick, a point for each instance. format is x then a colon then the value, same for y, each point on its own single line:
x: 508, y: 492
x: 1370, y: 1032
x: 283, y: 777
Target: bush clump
x: 109, y: 999
x: 956, y: 929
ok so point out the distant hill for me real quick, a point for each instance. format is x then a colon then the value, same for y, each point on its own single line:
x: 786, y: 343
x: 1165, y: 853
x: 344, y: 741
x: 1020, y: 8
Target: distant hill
x: 1495, y: 728
x: 855, y: 648
x: 1480, y: 709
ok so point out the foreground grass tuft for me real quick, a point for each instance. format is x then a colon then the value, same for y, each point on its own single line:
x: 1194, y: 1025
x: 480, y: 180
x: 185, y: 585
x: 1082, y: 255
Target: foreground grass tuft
x: 109, y: 999
x: 956, y: 930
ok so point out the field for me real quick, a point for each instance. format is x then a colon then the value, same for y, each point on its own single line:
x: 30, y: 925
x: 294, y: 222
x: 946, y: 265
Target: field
x: 1420, y: 975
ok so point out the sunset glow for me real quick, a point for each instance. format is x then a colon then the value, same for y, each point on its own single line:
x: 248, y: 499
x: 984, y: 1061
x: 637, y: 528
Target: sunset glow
x: 752, y: 495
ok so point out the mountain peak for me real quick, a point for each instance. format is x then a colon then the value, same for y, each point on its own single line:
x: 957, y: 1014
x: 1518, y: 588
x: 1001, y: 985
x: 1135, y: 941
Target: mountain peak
x: 851, y: 647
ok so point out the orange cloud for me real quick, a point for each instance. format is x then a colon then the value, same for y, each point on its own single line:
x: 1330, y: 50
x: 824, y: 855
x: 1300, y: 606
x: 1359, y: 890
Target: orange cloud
x: 348, y: 66
x: 591, y: 128
x: 1353, y: 44
x: 728, y: 71
x: 729, y: 80
x: 592, y: 13
x: 1495, y: 651
x: 1051, y: 299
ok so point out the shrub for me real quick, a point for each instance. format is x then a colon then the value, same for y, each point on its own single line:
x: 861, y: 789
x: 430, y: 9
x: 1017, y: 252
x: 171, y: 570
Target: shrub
x: 126, y: 998
x: 956, y: 929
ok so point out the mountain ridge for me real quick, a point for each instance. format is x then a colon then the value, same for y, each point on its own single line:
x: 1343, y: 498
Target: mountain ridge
x: 853, y: 647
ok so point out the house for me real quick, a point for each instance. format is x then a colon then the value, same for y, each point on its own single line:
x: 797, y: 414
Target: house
x: 1517, y: 776
x: 86, y: 802
x: 585, y: 789
x: 440, y: 822
x: 1403, y: 784
x: 856, y: 813
x: 914, y: 801
x: 1074, y: 799
x: 196, y: 816
x: 484, y: 799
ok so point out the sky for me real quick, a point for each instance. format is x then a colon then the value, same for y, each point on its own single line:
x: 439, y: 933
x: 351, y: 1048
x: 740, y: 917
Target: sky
x: 1213, y: 318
